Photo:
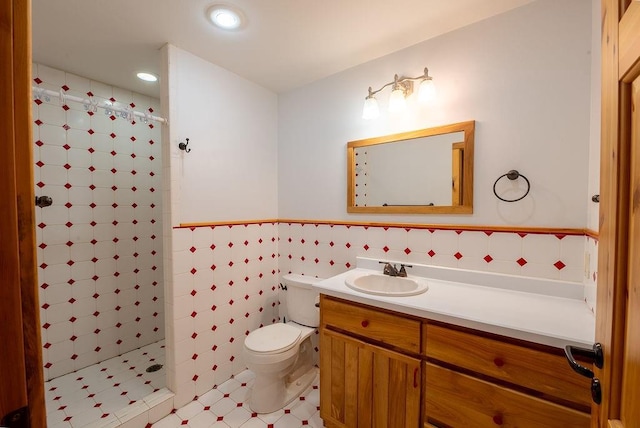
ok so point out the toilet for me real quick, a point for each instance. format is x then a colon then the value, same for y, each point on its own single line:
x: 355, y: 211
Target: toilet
x: 281, y: 354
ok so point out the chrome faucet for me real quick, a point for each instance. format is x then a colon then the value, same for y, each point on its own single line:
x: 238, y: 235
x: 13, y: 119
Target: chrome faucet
x: 392, y: 270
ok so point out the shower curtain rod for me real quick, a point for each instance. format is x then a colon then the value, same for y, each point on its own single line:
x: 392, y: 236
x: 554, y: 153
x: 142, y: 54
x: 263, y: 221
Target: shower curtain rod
x: 94, y: 104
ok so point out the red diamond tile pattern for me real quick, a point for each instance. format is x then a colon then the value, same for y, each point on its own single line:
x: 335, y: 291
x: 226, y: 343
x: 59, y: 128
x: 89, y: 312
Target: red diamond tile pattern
x: 97, y: 235
x: 99, y: 390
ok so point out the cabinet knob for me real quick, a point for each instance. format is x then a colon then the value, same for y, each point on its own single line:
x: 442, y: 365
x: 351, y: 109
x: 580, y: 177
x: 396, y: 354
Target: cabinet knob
x: 499, y: 362
x: 364, y: 323
x: 497, y: 419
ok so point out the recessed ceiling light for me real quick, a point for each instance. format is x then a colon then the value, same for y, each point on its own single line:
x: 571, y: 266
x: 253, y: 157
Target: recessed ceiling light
x: 225, y: 17
x: 147, y: 77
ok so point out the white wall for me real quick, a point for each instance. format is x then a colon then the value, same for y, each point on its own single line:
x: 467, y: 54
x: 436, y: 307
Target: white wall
x: 231, y: 124
x: 591, y: 258
x: 221, y: 281
x: 594, y: 140
x: 524, y: 76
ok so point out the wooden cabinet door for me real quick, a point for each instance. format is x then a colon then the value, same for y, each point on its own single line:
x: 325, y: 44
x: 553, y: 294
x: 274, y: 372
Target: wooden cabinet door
x: 364, y: 386
x: 340, y: 377
x: 396, y: 389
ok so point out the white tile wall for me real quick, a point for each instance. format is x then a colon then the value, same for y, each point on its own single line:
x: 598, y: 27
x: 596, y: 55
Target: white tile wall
x: 224, y: 286
x: 99, y: 244
x: 591, y: 272
x: 225, y: 277
x: 325, y: 250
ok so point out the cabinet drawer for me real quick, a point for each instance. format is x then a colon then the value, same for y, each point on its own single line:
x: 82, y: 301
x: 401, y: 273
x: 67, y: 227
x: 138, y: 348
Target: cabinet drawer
x: 374, y: 324
x: 530, y: 368
x: 459, y: 400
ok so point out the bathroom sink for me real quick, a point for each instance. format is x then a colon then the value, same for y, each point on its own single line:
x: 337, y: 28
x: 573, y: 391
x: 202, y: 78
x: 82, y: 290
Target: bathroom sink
x: 385, y: 285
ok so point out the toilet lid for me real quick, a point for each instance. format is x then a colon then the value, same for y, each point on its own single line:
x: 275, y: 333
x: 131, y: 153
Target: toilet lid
x: 272, y: 338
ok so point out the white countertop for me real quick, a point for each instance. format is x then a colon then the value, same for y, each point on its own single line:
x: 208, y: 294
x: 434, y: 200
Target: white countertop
x: 541, y: 311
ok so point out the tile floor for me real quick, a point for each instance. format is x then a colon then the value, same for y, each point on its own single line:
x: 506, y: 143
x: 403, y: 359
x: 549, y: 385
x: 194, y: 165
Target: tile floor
x: 93, y: 396
x: 226, y: 407
x: 99, y: 391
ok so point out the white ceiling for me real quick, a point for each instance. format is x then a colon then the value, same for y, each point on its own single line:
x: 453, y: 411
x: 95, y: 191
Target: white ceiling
x: 286, y: 43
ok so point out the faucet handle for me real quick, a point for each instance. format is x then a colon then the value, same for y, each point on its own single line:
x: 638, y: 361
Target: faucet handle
x: 403, y: 272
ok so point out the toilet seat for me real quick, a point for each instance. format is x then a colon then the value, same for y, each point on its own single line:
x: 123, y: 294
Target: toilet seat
x: 272, y: 339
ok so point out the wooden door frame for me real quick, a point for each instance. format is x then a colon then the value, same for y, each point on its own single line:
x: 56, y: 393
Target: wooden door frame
x: 618, y: 47
x: 14, y: 390
x: 21, y: 368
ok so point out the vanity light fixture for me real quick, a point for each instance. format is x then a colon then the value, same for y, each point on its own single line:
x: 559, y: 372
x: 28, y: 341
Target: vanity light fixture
x: 225, y: 17
x: 401, y: 88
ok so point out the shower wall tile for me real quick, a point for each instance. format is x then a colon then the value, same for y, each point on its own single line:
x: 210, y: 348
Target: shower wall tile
x: 99, y: 244
x: 51, y: 77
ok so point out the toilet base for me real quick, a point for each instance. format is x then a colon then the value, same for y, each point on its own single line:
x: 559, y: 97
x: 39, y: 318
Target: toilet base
x: 274, y: 393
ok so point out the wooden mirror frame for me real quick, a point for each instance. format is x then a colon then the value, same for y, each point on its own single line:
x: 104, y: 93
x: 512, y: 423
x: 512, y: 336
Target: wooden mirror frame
x: 461, y: 151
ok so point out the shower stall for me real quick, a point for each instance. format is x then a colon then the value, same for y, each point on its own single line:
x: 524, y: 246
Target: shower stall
x: 99, y: 245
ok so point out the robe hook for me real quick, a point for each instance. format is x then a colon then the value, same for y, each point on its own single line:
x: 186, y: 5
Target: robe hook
x: 184, y: 146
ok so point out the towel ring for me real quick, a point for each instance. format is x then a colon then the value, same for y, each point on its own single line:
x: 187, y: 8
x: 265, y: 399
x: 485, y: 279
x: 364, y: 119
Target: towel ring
x: 512, y: 175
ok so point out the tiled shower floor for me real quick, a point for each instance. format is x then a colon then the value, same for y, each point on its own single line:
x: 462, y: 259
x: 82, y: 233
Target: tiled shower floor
x: 97, y: 392
x: 226, y: 407
x: 94, y: 395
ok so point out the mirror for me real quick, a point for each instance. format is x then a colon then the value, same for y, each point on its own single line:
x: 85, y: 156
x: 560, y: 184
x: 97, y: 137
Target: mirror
x: 429, y: 171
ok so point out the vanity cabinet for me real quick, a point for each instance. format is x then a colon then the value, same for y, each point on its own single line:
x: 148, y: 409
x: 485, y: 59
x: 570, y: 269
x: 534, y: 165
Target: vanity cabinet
x: 454, y: 399
x: 481, y: 380
x: 382, y: 368
x: 364, y: 384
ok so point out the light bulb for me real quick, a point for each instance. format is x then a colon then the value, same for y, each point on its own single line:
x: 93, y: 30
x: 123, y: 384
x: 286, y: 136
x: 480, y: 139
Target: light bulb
x: 397, y: 102
x: 225, y: 17
x: 147, y: 77
x: 370, y: 109
x: 427, y: 92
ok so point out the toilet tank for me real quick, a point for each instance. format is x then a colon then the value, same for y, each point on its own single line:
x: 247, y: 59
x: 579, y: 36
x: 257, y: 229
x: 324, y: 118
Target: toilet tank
x: 302, y: 299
